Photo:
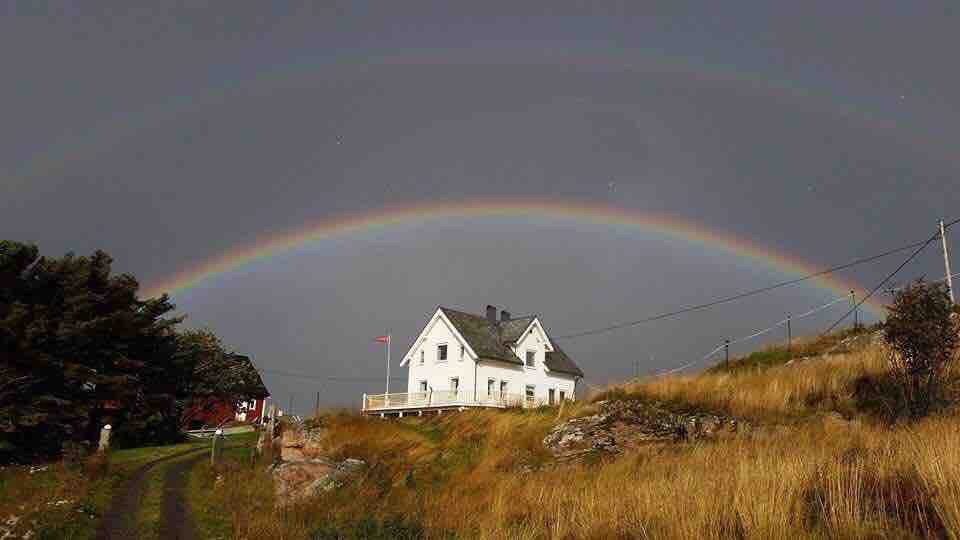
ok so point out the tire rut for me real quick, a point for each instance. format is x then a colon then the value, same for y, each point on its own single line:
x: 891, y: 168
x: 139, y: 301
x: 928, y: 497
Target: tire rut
x: 176, y: 523
x: 119, y: 523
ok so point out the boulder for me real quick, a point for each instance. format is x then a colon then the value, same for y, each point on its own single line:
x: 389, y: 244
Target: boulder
x: 625, y: 424
x: 296, y: 480
x: 305, y: 469
x: 302, y: 444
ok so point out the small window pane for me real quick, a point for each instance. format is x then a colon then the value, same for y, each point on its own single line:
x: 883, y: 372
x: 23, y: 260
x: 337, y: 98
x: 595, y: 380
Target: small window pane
x: 531, y: 358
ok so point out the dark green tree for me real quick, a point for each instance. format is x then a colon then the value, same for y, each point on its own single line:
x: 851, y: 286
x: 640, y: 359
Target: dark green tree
x: 78, y: 348
x: 922, y: 331
x: 217, y: 377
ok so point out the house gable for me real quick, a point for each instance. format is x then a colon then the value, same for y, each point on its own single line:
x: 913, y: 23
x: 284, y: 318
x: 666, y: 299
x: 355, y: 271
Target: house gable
x: 533, y: 331
x: 439, y: 317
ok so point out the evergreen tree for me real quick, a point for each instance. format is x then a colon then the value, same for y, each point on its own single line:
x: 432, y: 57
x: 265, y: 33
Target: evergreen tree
x: 78, y: 348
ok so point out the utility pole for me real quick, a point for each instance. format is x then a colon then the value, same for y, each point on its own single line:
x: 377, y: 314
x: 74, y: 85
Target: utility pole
x: 316, y: 410
x: 856, y: 310
x: 726, y: 352
x: 946, y: 261
x: 789, y: 335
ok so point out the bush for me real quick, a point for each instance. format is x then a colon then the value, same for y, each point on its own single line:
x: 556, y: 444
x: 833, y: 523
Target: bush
x: 922, y: 331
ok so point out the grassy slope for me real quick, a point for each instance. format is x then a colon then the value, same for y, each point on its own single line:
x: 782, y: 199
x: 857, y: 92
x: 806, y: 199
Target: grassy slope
x: 33, y: 497
x: 802, y: 472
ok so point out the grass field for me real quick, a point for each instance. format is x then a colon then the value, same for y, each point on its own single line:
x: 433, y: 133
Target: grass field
x: 823, y: 460
x: 65, y: 500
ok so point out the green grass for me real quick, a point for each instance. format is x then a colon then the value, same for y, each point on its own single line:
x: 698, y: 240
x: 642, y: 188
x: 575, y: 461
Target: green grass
x: 777, y: 355
x: 33, y: 497
x: 151, y: 505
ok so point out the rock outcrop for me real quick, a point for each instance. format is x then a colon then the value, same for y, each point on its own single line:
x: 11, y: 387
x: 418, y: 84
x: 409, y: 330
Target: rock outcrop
x: 624, y: 424
x: 305, y: 469
x: 295, y: 480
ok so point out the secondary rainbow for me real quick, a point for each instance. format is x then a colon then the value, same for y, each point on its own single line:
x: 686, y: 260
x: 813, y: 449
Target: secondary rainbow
x: 273, y: 245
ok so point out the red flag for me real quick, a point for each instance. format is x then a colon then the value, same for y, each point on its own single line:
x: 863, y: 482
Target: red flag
x: 382, y: 339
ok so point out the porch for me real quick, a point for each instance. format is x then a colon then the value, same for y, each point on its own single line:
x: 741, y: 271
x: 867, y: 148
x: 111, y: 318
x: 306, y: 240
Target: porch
x: 418, y: 403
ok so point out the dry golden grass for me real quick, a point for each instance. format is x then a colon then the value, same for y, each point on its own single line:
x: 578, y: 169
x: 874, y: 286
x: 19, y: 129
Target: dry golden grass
x: 485, y: 475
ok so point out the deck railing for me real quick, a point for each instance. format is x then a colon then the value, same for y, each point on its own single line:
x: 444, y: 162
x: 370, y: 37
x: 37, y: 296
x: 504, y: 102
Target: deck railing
x: 446, y: 398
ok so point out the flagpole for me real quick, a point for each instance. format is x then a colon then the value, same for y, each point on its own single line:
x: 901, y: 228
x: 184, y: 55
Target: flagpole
x: 388, y: 361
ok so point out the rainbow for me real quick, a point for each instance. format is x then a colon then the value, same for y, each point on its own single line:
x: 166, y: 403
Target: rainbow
x: 104, y: 137
x: 272, y: 245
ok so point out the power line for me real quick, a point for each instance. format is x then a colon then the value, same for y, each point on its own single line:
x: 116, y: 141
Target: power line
x: 886, y: 279
x: 753, y: 335
x: 745, y: 294
x: 324, y: 377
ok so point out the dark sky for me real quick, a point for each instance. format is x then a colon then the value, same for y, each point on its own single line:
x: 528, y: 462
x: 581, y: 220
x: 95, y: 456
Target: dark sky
x: 167, y: 135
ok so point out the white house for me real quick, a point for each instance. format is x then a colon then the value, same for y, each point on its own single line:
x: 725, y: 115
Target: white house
x: 464, y: 360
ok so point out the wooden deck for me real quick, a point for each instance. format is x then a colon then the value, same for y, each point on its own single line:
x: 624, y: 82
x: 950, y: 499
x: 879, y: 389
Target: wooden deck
x: 418, y: 403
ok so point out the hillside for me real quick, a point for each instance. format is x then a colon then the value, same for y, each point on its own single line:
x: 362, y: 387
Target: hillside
x: 814, y: 454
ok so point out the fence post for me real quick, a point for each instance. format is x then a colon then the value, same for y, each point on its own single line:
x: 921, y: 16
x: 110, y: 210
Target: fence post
x: 105, y: 438
x: 215, y: 447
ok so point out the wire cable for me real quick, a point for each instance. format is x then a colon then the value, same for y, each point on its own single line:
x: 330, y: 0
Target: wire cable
x: 885, y: 280
x: 698, y: 307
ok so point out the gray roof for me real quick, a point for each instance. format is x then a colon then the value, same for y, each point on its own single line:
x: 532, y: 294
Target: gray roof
x: 492, y: 340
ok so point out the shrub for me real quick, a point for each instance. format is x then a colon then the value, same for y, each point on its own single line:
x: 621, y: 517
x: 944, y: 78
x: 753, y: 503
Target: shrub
x: 922, y: 331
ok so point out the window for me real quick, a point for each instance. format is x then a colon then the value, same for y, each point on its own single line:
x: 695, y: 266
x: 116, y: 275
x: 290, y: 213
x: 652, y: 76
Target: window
x: 563, y: 395
x: 503, y: 387
x: 531, y: 359
x: 551, y: 396
x: 455, y: 384
x: 442, y: 353
x: 530, y: 393
x: 491, y: 385
x: 462, y: 351
x: 421, y: 357
x: 423, y: 386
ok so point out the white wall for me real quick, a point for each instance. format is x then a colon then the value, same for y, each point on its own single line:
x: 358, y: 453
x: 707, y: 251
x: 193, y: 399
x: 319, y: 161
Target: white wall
x: 436, y: 374
x: 539, y: 376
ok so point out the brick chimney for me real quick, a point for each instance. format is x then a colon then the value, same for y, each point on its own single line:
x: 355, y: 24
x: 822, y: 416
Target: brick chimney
x: 504, y: 315
x: 492, y: 314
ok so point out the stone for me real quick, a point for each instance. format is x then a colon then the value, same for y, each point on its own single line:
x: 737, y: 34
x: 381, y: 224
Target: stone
x: 624, y: 424
x: 294, y: 481
x: 304, y: 469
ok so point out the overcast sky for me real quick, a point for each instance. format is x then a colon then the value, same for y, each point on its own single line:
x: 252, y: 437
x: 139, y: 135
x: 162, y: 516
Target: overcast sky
x: 167, y: 135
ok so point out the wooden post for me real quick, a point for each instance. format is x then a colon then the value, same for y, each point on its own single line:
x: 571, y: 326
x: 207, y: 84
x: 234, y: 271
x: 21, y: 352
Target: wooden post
x: 105, y: 438
x: 946, y: 261
x: 273, y: 425
x: 856, y: 310
x: 214, y: 444
x: 260, y: 440
x: 789, y: 336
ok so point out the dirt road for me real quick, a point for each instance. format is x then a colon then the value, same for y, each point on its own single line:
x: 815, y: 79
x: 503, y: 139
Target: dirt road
x: 119, y: 523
